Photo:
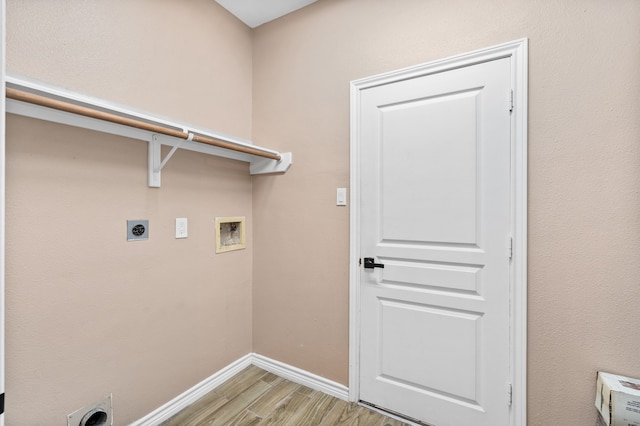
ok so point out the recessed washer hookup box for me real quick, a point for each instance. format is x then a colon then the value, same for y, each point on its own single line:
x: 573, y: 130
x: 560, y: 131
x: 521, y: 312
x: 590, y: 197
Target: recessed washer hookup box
x: 618, y: 399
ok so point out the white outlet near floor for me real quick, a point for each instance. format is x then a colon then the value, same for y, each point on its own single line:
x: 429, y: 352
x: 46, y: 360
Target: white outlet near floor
x: 181, y: 227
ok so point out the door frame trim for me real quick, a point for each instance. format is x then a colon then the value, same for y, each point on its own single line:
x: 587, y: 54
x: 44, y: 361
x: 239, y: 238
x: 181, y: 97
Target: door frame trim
x: 517, y: 50
x: 3, y: 171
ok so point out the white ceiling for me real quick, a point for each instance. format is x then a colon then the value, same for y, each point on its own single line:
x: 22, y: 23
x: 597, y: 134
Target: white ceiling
x: 257, y: 12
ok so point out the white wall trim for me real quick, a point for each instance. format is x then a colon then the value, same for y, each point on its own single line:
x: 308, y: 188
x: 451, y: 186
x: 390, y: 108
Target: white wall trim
x: 190, y: 396
x: 518, y: 52
x: 519, y: 167
x: 3, y: 10
x: 281, y: 369
x: 354, y: 243
x: 301, y: 377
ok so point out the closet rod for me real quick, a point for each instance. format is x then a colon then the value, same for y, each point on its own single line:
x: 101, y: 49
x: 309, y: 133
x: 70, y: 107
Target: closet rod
x: 20, y: 95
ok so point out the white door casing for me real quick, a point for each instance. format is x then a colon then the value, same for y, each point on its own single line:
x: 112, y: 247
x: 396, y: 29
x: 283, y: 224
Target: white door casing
x: 3, y: 9
x: 457, y: 124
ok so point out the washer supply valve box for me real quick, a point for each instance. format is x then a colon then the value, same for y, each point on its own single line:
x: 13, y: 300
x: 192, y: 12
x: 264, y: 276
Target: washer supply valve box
x: 618, y: 399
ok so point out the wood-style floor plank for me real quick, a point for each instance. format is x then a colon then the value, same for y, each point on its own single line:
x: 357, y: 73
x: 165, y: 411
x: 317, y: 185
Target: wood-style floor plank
x: 238, y: 404
x: 255, y: 397
x: 240, y: 382
x: 287, y: 411
x: 266, y: 403
x: 366, y: 417
x: 334, y: 415
x: 343, y: 413
x: 246, y: 418
x: 197, y: 411
x: 319, y: 405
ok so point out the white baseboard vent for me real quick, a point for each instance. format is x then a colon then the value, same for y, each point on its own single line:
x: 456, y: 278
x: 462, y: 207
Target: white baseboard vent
x: 281, y: 369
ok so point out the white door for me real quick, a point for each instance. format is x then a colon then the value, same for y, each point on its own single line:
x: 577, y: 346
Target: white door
x: 435, y: 211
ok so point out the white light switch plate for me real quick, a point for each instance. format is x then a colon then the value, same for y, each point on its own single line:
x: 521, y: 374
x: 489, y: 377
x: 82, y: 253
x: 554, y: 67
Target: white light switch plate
x: 341, y: 197
x: 181, y: 227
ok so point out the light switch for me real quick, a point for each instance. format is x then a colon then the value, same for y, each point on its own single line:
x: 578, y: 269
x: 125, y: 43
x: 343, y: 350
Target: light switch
x: 181, y: 227
x: 341, y: 197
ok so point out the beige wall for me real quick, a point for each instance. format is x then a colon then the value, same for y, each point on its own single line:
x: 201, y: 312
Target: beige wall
x: 191, y: 63
x: 584, y: 158
x: 87, y: 312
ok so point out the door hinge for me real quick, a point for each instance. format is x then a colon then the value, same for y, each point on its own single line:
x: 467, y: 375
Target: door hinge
x: 510, y: 248
x: 509, y: 394
x: 510, y: 100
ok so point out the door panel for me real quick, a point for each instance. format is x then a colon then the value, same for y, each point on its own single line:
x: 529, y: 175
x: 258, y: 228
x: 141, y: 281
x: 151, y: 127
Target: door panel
x: 419, y: 131
x: 439, y: 356
x: 435, y: 210
x: 434, y: 276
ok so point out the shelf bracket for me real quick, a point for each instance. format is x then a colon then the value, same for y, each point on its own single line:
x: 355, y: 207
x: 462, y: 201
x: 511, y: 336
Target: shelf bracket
x: 153, y: 179
x: 266, y: 166
x: 155, y: 155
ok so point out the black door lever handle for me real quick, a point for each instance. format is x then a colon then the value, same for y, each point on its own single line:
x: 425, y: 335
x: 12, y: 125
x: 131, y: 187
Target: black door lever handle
x: 369, y: 263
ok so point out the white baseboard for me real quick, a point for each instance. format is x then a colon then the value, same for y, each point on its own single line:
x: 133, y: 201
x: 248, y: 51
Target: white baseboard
x: 301, y: 377
x: 281, y: 369
x: 190, y: 396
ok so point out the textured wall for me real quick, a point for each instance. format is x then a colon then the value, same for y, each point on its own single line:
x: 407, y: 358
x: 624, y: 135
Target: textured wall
x: 191, y: 62
x: 89, y: 313
x: 584, y: 157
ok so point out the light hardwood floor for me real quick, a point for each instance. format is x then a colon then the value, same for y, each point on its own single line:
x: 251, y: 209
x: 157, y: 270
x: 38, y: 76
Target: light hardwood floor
x: 257, y: 397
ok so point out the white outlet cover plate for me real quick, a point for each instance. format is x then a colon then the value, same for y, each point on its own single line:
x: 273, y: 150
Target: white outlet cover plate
x: 181, y: 227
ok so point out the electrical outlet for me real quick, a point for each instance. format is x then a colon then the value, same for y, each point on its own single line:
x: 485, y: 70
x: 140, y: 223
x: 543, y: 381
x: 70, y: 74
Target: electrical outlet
x: 181, y: 227
x: 137, y: 230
